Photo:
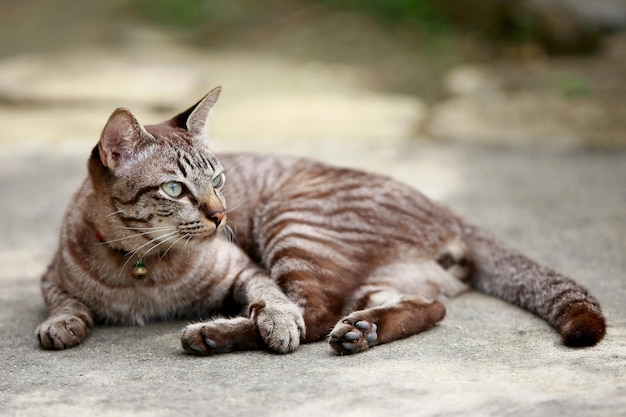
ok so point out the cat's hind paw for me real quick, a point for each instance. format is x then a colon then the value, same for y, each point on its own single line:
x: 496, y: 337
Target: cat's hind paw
x: 280, y: 325
x: 353, y: 335
x: 62, y: 331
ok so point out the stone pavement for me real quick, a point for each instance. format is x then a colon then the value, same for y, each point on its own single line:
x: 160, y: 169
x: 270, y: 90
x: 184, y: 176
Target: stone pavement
x: 562, y: 205
x: 564, y: 208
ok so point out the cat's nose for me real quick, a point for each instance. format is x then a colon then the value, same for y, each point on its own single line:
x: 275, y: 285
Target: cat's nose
x: 217, y: 217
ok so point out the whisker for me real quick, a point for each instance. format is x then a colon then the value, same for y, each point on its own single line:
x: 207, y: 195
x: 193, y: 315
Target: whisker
x: 114, y: 213
x: 230, y: 234
x: 172, y: 236
x: 130, y: 255
x: 156, y: 239
x: 155, y: 229
x: 172, y: 245
x: 189, y: 236
x: 233, y: 208
x: 130, y: 237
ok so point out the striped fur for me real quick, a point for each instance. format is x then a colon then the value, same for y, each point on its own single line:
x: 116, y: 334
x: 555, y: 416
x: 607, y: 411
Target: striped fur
x: 320, y: 251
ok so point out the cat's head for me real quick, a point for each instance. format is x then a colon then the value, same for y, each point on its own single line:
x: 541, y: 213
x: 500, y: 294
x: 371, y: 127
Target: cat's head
x: 160, y: 182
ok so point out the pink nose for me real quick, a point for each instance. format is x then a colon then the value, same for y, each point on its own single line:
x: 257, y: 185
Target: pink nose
x: 217, y: 217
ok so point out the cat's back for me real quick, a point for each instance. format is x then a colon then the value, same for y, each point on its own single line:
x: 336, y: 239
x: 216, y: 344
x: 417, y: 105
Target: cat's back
x: 259, y: 171
x: 270, y: 193
x: 265, y: 180
x: 272, y: 175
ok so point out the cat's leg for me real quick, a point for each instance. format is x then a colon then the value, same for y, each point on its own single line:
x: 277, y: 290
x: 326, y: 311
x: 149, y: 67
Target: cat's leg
x: 322, y: 297
x: 273, y: 320
x: 278, y: 326
x: 389, y: 316
x: 69, y: 322
x: 398, y: 300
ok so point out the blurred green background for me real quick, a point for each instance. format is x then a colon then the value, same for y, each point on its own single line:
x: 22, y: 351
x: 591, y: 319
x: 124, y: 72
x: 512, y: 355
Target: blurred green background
x: 513, y: 73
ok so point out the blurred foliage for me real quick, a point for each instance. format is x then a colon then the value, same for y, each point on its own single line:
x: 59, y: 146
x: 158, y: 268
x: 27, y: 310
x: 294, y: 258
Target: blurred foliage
x: 189, y: 14
x: 573, y: 85
x: 408, y: 45
x: 192, y: 14
x: 425, y: 14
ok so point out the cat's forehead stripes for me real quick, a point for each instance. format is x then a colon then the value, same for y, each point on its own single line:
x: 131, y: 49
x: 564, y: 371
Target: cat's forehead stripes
x: 190, y: 162
x: 190, y: 158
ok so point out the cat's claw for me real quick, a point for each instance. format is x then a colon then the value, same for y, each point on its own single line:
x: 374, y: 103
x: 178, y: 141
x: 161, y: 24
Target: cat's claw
x: 192, y: 347
x: 280, y: 325
x: 353, y: 336
x: 213, y: 337
x: 208, y: 347
x: 62, y: 332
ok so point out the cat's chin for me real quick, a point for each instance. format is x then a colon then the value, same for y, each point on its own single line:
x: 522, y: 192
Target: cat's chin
x: 200, y: 238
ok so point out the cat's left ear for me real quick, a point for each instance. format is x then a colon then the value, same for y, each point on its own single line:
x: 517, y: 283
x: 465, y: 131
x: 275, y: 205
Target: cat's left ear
x: 195, y: 118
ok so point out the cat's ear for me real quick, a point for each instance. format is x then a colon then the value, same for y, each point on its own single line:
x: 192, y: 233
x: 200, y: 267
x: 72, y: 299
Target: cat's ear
x: 195, y: 118
x: 121, y: 138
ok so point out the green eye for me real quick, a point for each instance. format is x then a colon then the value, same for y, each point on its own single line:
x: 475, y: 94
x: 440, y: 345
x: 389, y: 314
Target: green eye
x: 173, y: 188
x: 218, y: 181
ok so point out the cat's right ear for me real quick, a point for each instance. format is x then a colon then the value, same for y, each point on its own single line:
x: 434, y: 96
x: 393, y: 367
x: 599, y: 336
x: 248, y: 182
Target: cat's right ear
x: 120, y: 139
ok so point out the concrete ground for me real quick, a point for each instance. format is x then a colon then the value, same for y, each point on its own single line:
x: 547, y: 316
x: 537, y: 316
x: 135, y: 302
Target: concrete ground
x: 564, y: 208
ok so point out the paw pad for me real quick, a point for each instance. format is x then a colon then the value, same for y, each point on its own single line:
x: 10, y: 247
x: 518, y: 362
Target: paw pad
x: 352, y: 336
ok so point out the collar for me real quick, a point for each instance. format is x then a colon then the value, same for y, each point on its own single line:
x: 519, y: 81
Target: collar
x: 139, y: 271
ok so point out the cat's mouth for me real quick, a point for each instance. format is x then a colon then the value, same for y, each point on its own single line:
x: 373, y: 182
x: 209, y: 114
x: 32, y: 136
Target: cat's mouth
x: 205, y: 231
x: 224, y: 230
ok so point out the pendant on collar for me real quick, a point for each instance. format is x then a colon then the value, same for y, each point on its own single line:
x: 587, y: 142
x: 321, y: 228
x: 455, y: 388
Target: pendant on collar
x: 139, y: 270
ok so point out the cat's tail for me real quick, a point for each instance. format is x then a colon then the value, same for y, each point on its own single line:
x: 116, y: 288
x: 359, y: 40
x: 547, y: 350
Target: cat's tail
x: 505, y: 273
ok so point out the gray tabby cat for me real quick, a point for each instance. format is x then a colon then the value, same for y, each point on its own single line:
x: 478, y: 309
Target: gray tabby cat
x: 320, y: 251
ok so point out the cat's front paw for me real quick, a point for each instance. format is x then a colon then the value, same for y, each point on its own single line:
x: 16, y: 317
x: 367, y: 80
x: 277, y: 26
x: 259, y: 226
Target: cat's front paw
x: 62, y: 332
x: 220, y: 336
x: 352, y: 335
x: 280, y: 325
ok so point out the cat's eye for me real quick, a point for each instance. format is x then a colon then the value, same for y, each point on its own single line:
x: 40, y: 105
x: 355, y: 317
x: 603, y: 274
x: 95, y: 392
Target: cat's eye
x: 173, y: 188
x: 218, y: 181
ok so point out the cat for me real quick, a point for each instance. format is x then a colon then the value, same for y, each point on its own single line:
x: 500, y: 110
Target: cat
x: 307, y: 251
